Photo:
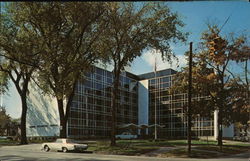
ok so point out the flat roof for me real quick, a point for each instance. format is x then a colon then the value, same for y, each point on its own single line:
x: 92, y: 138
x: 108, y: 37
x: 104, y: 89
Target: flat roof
x: 159, y: 73
x: 149, y: 75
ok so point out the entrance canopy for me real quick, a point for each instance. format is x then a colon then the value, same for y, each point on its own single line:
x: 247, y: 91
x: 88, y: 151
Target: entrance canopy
x: 142, y: 126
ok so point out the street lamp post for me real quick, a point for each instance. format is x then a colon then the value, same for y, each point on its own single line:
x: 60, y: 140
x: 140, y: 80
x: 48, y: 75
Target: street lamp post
x: 189, y: 99
x: 1, y: 93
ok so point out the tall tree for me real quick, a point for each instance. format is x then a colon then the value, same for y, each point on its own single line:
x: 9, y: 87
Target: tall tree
x: 221, y: 51
x: 241, y: 56
x: 212, y: 77
x: 4, y: 120
x: 133, y: 28
x: 3, y: 82
x: 18, y: 50
x: 69, y: 34
x: 3, y: 76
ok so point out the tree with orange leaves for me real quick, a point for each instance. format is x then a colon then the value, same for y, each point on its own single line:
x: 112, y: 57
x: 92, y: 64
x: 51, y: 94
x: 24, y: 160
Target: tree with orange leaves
x: 212, y: 77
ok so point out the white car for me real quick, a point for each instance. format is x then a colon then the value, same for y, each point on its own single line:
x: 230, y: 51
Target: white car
x: 64, y: 145
x: 126, y: 135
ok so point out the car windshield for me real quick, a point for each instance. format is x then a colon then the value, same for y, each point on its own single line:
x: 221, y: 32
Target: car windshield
x: 70, y: 141
x: 59, y: 141
x: 126, y: 133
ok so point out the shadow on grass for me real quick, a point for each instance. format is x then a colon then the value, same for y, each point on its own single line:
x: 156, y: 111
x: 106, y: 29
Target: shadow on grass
x: 82, y: 152
x: 182, y: 153
x: 209, y: 151
x: 165, y: 143
x: 123, y: 149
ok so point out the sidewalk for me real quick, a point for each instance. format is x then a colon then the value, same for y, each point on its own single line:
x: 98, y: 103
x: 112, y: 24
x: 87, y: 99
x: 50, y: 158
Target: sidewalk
x: 162, y: 150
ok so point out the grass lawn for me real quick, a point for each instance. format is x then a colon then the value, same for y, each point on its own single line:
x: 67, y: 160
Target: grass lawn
x: 124, y: 147
x: 4, y: 142
x: 206, y: 151
x: 226, y: 149
x: 182, y: 153
x: 12, y: 142
x: 200, y: 149
x: 184, y: 142
x: 138, y: 147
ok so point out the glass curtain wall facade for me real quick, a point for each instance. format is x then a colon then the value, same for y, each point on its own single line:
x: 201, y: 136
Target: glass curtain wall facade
x: 90, y: 113
x: 170, y: 109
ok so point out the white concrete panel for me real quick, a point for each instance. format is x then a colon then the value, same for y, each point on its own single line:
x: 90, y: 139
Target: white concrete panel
x: 143, y: 103
x: 216, y: 132
x: 42, y: 114
x: 226, y: 131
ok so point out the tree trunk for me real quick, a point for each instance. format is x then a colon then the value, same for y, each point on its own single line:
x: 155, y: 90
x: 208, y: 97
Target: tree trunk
x: 70, y: 100
x: 221, y: 107
x: 63, y: 122
x: 23, y: 120
x: 63, y: 130
x: 220, y: 143
x: 114, y: 109
x: 246, y: 78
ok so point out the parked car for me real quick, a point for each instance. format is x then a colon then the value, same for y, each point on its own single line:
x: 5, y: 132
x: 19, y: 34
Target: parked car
x: 6, y: 137
x: 64, y: 145
x: 3, y: 138
x: 126, y: 135
x: 241, y: 138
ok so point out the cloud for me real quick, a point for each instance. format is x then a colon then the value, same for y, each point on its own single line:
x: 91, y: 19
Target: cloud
x: 150, y: 56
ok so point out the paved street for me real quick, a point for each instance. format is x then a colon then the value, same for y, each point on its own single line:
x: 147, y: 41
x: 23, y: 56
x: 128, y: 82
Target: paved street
x: 33, y: 153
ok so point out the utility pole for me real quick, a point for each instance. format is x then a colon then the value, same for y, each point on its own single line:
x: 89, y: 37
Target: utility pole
x: 189, y: 99
x: 1, y: 95
x: 155, y: 102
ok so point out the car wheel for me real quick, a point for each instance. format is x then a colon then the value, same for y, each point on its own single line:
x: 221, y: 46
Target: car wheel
x: 64, y: 149
x: 46, y: 148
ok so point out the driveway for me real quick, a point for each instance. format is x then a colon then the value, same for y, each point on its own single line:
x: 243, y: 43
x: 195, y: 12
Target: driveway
x: 32, y: 152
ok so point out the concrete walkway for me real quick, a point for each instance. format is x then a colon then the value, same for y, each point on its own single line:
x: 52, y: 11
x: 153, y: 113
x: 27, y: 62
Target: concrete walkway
x: 161, y: 150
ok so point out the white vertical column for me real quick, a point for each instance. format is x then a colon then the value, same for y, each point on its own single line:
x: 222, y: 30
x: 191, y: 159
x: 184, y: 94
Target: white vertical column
x: 216, y: 132
x: 1, y: 100
x: 143, y: 103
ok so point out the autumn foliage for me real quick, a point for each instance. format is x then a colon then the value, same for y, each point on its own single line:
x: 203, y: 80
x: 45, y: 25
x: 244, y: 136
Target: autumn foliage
x: 213, y: 77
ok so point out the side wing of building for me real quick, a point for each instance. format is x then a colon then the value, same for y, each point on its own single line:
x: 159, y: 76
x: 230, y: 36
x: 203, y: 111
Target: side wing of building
x: 42, y: 114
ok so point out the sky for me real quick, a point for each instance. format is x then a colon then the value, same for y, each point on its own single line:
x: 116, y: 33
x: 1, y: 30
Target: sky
x: 195, y: 16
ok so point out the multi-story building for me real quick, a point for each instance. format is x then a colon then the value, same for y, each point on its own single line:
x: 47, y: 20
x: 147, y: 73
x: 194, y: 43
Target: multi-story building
x: 142, y: 100
x: 169, y: 110
x: 90, y: 113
